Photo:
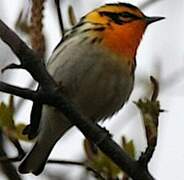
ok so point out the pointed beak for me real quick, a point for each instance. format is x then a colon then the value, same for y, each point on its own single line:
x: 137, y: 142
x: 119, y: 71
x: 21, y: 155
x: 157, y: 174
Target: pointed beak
x: 150, y: 20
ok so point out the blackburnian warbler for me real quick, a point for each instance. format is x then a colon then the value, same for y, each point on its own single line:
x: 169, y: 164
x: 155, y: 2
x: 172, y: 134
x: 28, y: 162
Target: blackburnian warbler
x: 95, y: 63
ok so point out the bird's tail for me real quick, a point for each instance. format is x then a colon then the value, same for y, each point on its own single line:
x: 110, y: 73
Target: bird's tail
x: 53, y: 127
x: 35, y: 161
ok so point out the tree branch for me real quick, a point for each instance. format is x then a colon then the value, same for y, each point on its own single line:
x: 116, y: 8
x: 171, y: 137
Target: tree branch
x: 51, y: 95
x: 18, y: 91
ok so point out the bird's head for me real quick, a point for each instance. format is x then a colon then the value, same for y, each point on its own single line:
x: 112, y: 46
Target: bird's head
x: 125, y: 25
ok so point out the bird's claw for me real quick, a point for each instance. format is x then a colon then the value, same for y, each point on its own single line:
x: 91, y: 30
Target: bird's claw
x: 29, y: 132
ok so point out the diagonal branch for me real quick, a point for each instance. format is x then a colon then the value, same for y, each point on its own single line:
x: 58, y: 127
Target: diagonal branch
x: 52, y: 95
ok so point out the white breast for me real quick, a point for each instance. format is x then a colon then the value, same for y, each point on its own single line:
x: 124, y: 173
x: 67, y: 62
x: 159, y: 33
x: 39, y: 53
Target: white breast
x: 93, y: 78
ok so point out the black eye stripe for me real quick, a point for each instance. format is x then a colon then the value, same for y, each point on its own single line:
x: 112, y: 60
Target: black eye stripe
x: 113, y: 16
x: 129, y: 15
x: 118, y: 17
x: 109, y: 14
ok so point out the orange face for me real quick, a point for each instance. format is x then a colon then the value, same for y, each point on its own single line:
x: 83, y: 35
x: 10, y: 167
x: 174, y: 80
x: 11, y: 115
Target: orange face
x: 124, y: 27
x: 124, y: 40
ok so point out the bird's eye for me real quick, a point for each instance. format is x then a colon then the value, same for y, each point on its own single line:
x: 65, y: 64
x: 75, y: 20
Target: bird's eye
x: 119, y: 18
x: 126, y: 16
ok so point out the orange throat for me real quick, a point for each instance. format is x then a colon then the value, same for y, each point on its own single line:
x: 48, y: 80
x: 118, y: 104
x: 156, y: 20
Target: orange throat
x: 124, y: 40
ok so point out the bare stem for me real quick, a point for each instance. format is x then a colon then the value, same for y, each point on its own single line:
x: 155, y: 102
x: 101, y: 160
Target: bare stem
x: 36, y: 34
x: 63, y: 162
x: 60, y: 18
x: 150, y: 110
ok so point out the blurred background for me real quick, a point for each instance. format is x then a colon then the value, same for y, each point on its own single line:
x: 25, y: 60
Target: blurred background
x: 160, y: 54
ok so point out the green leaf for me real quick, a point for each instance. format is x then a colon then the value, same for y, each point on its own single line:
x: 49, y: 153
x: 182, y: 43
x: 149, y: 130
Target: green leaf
x: 7, y: 123
x: 104, y: 165
x: 6, y: 115
x: 100, y: 161
x: 129, y: 147
x: 18, y: 132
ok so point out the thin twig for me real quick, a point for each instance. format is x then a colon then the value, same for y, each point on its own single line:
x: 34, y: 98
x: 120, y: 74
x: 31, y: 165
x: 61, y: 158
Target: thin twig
x: 36, y: 33
x: 17, y: 91
x: 63, y: 162
x: 150, y: 111
x: 5, y: 159
x: 148, y: 3
x: 60, y: 18
x: 72, y: 17
x: 155, y: 89
x: 10, y: 159
x: 19, y: 148
x: 7, y: 167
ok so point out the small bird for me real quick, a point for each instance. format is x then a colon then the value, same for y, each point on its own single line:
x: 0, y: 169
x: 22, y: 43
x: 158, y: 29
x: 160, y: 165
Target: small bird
x: 94, y: 64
